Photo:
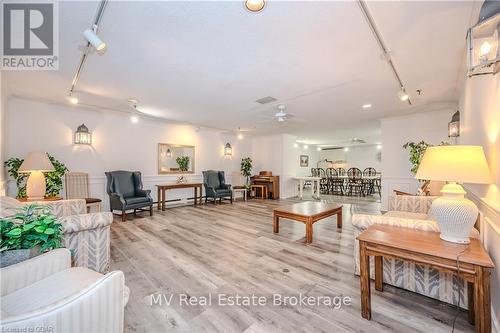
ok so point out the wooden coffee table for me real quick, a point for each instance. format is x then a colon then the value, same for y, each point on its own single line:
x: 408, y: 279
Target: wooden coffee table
x: 425, y: 247
x: 307, y: 212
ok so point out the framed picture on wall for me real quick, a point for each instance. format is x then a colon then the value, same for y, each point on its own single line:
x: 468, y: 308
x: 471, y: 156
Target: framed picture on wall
x: 304, y: 161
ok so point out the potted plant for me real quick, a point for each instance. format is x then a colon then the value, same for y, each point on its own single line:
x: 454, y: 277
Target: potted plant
x: 29, y: 232
x: 53, y: 180
x: 246, y: 170
x: 183, y: 162
x: 417, y: 151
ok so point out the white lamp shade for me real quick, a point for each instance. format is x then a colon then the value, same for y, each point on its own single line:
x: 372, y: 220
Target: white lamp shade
x: 36, y: 161
x: 463, y: 164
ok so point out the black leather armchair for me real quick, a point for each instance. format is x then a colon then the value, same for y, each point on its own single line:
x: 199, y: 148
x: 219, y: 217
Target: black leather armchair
x: 215, y: 186
x: 125, y: 192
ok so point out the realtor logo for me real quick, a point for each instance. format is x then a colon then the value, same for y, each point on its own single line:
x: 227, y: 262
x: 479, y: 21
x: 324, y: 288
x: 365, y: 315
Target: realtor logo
x: 30, y: 36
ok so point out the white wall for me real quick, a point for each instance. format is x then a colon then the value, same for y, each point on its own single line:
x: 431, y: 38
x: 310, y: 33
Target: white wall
x: 117, y: 143
x: 480, y: 125
x: 431, y: 127
x: 360, y: 157
x: 278, y: 154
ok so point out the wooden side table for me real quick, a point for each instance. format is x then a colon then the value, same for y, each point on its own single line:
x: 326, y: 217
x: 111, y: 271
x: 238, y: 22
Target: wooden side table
x: 242, y: 190
x: 425, y: 247
x: 162, y: 188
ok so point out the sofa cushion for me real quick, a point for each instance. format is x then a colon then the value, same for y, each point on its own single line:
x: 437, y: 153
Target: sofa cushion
x: 48, y: 291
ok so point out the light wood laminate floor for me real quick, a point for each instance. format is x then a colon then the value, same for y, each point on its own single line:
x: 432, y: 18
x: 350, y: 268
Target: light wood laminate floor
x: 231, y: 249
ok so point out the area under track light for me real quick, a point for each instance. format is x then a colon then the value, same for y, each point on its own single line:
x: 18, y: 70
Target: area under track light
x: 94, y: 40
x: 403, y: 95
x: 255, y: 6
x: 73, y: 99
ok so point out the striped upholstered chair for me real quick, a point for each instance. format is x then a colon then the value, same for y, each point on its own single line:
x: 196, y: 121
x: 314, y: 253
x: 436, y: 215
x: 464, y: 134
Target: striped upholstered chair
x: 411, y: 211
x: 86, y: 235
x: 46, y: 292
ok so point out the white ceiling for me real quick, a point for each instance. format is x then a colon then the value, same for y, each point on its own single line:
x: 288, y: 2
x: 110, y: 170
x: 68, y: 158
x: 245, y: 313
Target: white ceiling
x: 207, y: 62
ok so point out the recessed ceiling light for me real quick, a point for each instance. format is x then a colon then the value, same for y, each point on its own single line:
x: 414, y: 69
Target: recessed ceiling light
x: 306, y: 147
x: 255, y: 6
x: 134, y: 119
x: 240, y: 136
x: 379, y: 147
x: 318, y: 149
x: 296, y: 145
x: 366, y: 106
x: 346, y: 149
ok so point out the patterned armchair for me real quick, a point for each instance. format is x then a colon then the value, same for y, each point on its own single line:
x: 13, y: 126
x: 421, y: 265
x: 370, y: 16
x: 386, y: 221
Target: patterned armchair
x: 408, y: 211
x: 86, y: 235
x: 215, y: 186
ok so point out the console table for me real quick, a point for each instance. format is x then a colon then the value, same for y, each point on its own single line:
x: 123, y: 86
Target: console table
x: 425, y: 247
x: 163, y: 188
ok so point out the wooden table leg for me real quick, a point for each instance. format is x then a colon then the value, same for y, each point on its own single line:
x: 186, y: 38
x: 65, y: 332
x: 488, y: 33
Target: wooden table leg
x: 470, y: 299
x: 364, y: 278
x: 309, y: 231
x: 276, y: 223
x: 201, y: 195
x: 158, y: 196
x: 339, y: 219
x: 379, y: 273
x: 195, y: 190
x: 482, y: 302
x: 163, y: 198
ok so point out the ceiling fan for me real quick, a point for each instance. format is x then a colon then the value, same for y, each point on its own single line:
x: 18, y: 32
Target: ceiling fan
x: 281, y: 115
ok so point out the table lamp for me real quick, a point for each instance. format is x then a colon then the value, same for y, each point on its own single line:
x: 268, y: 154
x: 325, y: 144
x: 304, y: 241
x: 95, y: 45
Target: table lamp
x: 36, y: 163
x: 454, y: 213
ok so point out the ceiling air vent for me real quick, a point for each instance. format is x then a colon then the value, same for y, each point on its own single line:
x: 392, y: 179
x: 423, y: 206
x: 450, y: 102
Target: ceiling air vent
x: 265, y: 100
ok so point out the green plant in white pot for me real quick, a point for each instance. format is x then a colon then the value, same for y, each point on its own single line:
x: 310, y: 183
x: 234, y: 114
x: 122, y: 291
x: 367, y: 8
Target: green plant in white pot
x: 246, y: 170
x: 30, y: 231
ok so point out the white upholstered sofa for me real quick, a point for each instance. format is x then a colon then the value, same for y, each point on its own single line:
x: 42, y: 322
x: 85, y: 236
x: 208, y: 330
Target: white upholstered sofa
x: 44, y: 294
x: 86, y: 235
x: 409, y: 211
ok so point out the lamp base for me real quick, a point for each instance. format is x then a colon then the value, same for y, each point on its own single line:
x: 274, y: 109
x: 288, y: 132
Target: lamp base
x: 35, y: 186
x: 454, y: 214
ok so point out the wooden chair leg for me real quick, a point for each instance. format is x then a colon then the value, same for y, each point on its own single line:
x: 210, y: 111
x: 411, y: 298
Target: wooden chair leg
x: 124, y: 216
x: 151, y: 210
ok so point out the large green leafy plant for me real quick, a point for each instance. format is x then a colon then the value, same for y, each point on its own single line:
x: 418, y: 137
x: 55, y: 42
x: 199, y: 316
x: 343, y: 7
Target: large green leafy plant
x: 53, y: 179
x: 183, y: 162
x: 32, y: 226
x: 416, y: 151
x: 246, y: 168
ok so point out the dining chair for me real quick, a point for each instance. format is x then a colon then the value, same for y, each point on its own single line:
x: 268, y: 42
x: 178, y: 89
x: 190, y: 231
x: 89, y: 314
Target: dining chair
x: 369, y: 183
x: 77, y: 187
x: 336, y: 183
x: 355, y: 182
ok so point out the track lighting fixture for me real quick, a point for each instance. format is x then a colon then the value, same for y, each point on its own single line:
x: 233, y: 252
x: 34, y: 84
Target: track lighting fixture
x: 94, y: 40
x: 73, y: 99
x: 403, y: 96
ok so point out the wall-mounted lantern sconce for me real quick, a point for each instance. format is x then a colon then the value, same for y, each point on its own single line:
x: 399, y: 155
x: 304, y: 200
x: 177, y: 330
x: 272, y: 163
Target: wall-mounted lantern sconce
x: 482, y: 41
x: 228, y: 151
x: 454, y: 125
x: 83, y: 136
x: 168, y: 153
